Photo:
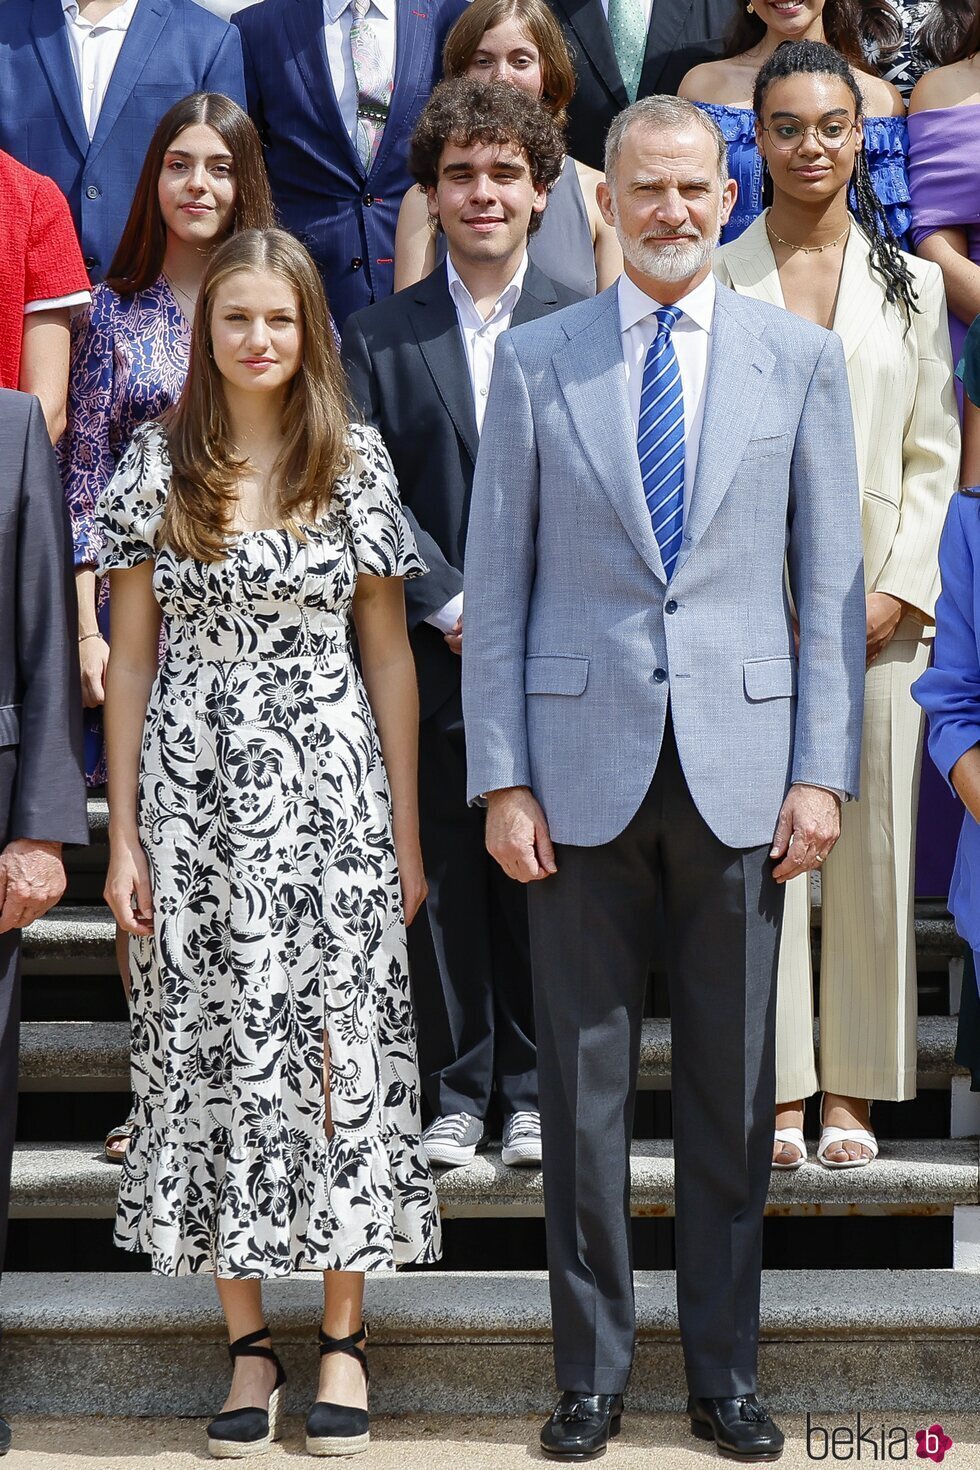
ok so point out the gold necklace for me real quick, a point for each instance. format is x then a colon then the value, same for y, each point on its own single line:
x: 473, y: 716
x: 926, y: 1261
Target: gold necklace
x: 182, y: 294
x: 809, y: 249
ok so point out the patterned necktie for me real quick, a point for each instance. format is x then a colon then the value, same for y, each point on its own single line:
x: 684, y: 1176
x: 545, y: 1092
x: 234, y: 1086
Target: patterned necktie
x: 660, y: 439
x: 627, y: 26
x: 374, y: 83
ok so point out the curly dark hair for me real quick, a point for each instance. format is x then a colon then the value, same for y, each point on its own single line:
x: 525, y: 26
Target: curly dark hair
x: 849, y: 25
x: 464, y: 111
x: 813, y: 58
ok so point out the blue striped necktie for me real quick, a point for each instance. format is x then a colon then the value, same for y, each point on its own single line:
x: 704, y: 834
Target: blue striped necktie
x: 660, y: 439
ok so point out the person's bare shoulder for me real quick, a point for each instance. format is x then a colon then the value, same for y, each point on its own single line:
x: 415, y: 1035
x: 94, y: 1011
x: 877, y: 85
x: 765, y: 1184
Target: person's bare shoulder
x: 946, y: 86
x: 881, y: 99
x: 723, y: 83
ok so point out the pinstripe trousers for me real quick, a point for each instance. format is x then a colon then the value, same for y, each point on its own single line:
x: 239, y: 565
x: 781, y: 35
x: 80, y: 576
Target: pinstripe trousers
x: 867, y: 951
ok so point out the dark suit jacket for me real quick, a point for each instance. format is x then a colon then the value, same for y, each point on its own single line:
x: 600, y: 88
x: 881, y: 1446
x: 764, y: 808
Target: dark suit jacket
x: 345, y: 218
x: 408, y: 375
x: 682, y: 33
x: 40, y: 694
x: 172, y: 48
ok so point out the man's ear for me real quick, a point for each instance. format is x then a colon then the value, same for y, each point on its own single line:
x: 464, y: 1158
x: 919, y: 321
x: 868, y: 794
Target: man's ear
x: 603, y: 196
x: 432, y: 201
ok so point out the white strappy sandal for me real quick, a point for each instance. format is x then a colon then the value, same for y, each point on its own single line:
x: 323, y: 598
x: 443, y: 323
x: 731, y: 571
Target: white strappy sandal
x: 831, y: 1137
x: 794, y: 1138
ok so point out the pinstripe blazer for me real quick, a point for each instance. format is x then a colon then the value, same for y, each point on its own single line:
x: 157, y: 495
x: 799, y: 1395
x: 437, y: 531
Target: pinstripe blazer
x: 906, y: 431
x: 575, y: 639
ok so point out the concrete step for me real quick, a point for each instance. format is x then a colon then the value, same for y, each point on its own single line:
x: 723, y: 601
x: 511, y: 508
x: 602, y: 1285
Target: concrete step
x: 882, y: 1342
x: 920, y: 1177
x: 93, y: 1056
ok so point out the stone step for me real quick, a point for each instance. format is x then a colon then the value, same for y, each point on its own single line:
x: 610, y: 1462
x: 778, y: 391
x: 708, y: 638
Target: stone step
x: 882, y: 1342
x: 93, y: 1056
x: 919, y: 1177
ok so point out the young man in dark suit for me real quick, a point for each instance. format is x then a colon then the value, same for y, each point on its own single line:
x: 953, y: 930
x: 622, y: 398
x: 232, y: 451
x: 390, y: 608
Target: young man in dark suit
x: 419, y: 367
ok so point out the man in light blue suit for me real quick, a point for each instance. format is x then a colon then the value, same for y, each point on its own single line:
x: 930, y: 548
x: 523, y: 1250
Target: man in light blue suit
x: 85, y: 82
x: 655, y: 465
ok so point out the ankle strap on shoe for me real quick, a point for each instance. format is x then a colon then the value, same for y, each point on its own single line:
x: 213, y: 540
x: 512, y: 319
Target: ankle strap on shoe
x: 346, y: 1345
x: 244, y: 1347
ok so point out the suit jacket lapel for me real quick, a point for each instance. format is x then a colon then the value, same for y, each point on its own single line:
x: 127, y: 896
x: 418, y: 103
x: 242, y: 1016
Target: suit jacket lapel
x: 739, y: 370
x: 441, y: 344
x: 51, y: 42
x: 751, y: 265
x: 592, y: 29
x: 304, y: 27
x: 858, y: 298
x: 537, y: 297
x: 666, y: 23
x: 413, y: 31
x: 592, y: 378
x: 143, y: 35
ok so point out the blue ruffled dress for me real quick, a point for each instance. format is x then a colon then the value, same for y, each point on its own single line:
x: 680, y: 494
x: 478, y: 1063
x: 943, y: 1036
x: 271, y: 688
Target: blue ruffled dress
x: 885, y: 145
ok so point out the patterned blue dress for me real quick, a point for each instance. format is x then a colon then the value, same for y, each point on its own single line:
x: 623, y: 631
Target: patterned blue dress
x: 129, y: 358
x: 885, y: 147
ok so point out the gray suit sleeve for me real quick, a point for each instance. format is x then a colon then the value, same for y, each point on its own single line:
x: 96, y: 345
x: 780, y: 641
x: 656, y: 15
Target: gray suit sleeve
x: 49, y: 791
x: 499, y: 576
x: 826, y: 571
x: 423, y: 595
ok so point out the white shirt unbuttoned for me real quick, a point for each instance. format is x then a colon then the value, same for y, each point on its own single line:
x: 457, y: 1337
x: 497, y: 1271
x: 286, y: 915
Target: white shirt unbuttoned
x: 337, y: 18
x: 95, y: 48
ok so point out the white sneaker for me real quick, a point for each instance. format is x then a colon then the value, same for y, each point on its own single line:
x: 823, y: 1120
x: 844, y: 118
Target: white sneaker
x: 452, y: 1139
x: 522, y: 1139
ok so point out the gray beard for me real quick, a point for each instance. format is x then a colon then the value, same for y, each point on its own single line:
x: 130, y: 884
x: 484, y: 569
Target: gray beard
x: 668, y: 263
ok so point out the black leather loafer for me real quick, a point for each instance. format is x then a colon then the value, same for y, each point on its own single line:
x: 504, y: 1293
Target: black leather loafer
x: 740, y: 1427
x: 582, y: 1425
x: 5, y: 1436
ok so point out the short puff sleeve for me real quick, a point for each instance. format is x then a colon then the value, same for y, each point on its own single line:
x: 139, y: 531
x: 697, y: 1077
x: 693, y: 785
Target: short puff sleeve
x: 383, y: 542
x: 130, y: 508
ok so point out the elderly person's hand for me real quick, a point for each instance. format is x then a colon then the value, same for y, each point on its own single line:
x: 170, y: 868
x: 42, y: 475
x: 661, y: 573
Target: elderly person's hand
x: 808, y: 827
x: 32, y: 879
x: 517, y: 835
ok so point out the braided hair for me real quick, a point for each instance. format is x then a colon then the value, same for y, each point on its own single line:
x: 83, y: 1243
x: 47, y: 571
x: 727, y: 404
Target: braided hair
x: 809, y: 58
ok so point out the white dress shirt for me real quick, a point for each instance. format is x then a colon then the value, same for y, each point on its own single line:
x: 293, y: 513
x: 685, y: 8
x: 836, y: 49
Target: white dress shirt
x: 692, y: 344
x: 647, y: 11
x: 337, y: 18
x: 480, y: 336
x: 95, y: 50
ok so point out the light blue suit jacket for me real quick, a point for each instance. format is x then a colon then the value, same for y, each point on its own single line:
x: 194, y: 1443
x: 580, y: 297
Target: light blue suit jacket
x: 574, y: 639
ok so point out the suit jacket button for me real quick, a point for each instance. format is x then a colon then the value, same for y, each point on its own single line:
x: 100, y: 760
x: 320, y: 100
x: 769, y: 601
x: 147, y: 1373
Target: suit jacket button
x: 90, y: 262
x: 93, y: 191
x: 368, y: 200
x: 659, y: 676
x: 356, y: 263
x: 670, y: 607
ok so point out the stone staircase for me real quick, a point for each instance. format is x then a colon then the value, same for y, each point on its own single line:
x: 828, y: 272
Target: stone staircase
x: 121, y: 1341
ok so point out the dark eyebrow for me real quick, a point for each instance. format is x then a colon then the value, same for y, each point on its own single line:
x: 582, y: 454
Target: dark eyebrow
x: 831, y: 112
x: 211, y: 157
x: 465, y: 168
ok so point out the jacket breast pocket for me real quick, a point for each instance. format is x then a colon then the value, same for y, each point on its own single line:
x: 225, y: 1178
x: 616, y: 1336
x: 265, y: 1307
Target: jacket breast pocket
x: 884, y: 497
x: 769, y: 678
x: 765, y: 446
x: 9, y: 724
x: 555, y: 673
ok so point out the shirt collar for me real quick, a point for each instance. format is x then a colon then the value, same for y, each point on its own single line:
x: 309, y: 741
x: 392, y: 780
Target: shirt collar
x: 117, y: 20
x: 334, y: 9
x: 636, y: 306
x: 505, y: 302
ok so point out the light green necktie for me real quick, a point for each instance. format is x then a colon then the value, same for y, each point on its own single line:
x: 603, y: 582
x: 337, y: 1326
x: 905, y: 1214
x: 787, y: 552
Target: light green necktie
x: 628, y: 30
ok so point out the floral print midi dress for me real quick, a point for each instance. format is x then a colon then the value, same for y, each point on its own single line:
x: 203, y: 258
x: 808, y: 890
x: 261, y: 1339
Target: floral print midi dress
x: 265, y: 814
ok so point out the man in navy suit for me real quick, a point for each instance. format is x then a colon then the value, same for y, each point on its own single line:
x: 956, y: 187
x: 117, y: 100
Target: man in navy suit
x: 85, y: 82
x: 335, y: 88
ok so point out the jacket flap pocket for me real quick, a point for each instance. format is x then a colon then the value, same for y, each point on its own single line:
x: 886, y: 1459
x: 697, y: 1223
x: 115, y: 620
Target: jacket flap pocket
x: 555, y: 673
x: 9, y: 724
x: 767, y: 444
x: 770, y: 678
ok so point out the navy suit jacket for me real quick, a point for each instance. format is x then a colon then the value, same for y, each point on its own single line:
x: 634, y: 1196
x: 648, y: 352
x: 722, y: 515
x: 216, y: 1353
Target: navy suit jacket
x: 345, y: 218
x: 172, y: 48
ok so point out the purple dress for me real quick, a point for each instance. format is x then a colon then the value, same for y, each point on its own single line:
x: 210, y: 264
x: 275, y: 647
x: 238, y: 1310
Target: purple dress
x: 944, y: 144
x: 129, y: 357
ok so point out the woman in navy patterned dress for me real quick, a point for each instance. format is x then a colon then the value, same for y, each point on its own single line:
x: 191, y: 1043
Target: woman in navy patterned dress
x: 203, y: 178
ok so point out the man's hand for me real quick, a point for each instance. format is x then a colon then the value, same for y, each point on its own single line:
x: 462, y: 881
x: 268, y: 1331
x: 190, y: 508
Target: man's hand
x: 808, y: 827
x: 518, y: 836
x: 455, y: 636
x: 884, y: 615
x: 32, y: 879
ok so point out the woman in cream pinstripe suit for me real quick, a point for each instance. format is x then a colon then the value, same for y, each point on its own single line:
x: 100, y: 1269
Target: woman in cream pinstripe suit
x: 809, y: 254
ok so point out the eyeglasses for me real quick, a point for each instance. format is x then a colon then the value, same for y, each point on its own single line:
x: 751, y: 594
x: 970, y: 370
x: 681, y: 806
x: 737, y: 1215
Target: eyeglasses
x: 831, y: 134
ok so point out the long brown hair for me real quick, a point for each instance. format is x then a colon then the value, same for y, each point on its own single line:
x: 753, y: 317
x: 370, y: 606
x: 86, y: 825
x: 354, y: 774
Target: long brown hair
x: 951, y: 32
x: 315, y: 420
x: 557, y: 69
x: 138, y: 260
x: 847, y: 25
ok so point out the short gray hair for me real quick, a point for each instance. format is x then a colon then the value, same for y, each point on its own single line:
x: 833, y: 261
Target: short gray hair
x: 661, y: 111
